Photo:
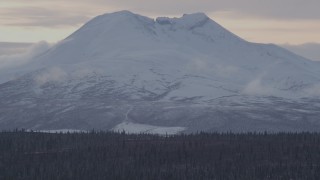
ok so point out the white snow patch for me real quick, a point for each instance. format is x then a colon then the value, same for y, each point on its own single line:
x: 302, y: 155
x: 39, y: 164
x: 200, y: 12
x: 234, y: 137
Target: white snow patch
x: 135, y: 128
x: 62, y: 131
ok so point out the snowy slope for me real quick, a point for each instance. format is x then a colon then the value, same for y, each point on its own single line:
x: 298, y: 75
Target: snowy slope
x: 185, y: 72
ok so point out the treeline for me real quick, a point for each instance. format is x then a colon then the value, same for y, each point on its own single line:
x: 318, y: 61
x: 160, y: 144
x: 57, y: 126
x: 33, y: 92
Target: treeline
x: 117, y: 156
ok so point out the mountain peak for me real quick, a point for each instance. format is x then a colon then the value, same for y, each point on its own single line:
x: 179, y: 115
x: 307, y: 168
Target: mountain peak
x: 126, y: 12
x: 116, y: 17
x: 191, y: 21
x: 122, y: 13
x: 130, y: 31
x: 198, y: 15
x: 194, y: 18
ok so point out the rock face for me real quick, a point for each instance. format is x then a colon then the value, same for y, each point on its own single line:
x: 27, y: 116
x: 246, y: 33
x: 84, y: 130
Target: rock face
x: 186, y: 72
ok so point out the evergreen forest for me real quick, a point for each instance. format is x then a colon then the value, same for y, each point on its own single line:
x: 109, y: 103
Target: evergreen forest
x: 119, y: 156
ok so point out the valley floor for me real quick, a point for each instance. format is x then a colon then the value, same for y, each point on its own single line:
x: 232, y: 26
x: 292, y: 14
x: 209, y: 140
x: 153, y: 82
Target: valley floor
x: 108, y: 155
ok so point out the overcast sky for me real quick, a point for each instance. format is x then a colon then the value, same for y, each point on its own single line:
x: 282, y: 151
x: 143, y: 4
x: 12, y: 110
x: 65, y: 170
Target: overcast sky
x: 270, y: 21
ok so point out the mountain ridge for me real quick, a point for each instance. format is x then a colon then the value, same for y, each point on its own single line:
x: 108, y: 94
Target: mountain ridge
x: 188, y: 72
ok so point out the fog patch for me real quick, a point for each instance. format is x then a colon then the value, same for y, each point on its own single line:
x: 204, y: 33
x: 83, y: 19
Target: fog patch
x: 22, y: 58
x: 314, y: 90
x: 204, y: 65
x: 54, y: 74
x: 256, y: 87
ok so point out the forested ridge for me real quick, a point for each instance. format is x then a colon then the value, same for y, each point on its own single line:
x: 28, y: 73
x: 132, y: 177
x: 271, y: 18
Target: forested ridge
x: 117, y: 156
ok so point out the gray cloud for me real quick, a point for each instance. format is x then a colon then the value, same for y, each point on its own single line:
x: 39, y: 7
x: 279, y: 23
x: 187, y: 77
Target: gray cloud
x: 40, y: 16
x: 309, y: 50
x: 7, y: 48
x: 284, y: 9
x: 61, y: 13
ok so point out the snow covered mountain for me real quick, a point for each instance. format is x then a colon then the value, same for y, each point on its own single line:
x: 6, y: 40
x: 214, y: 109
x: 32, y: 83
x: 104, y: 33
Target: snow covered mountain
x: 123, y: 70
